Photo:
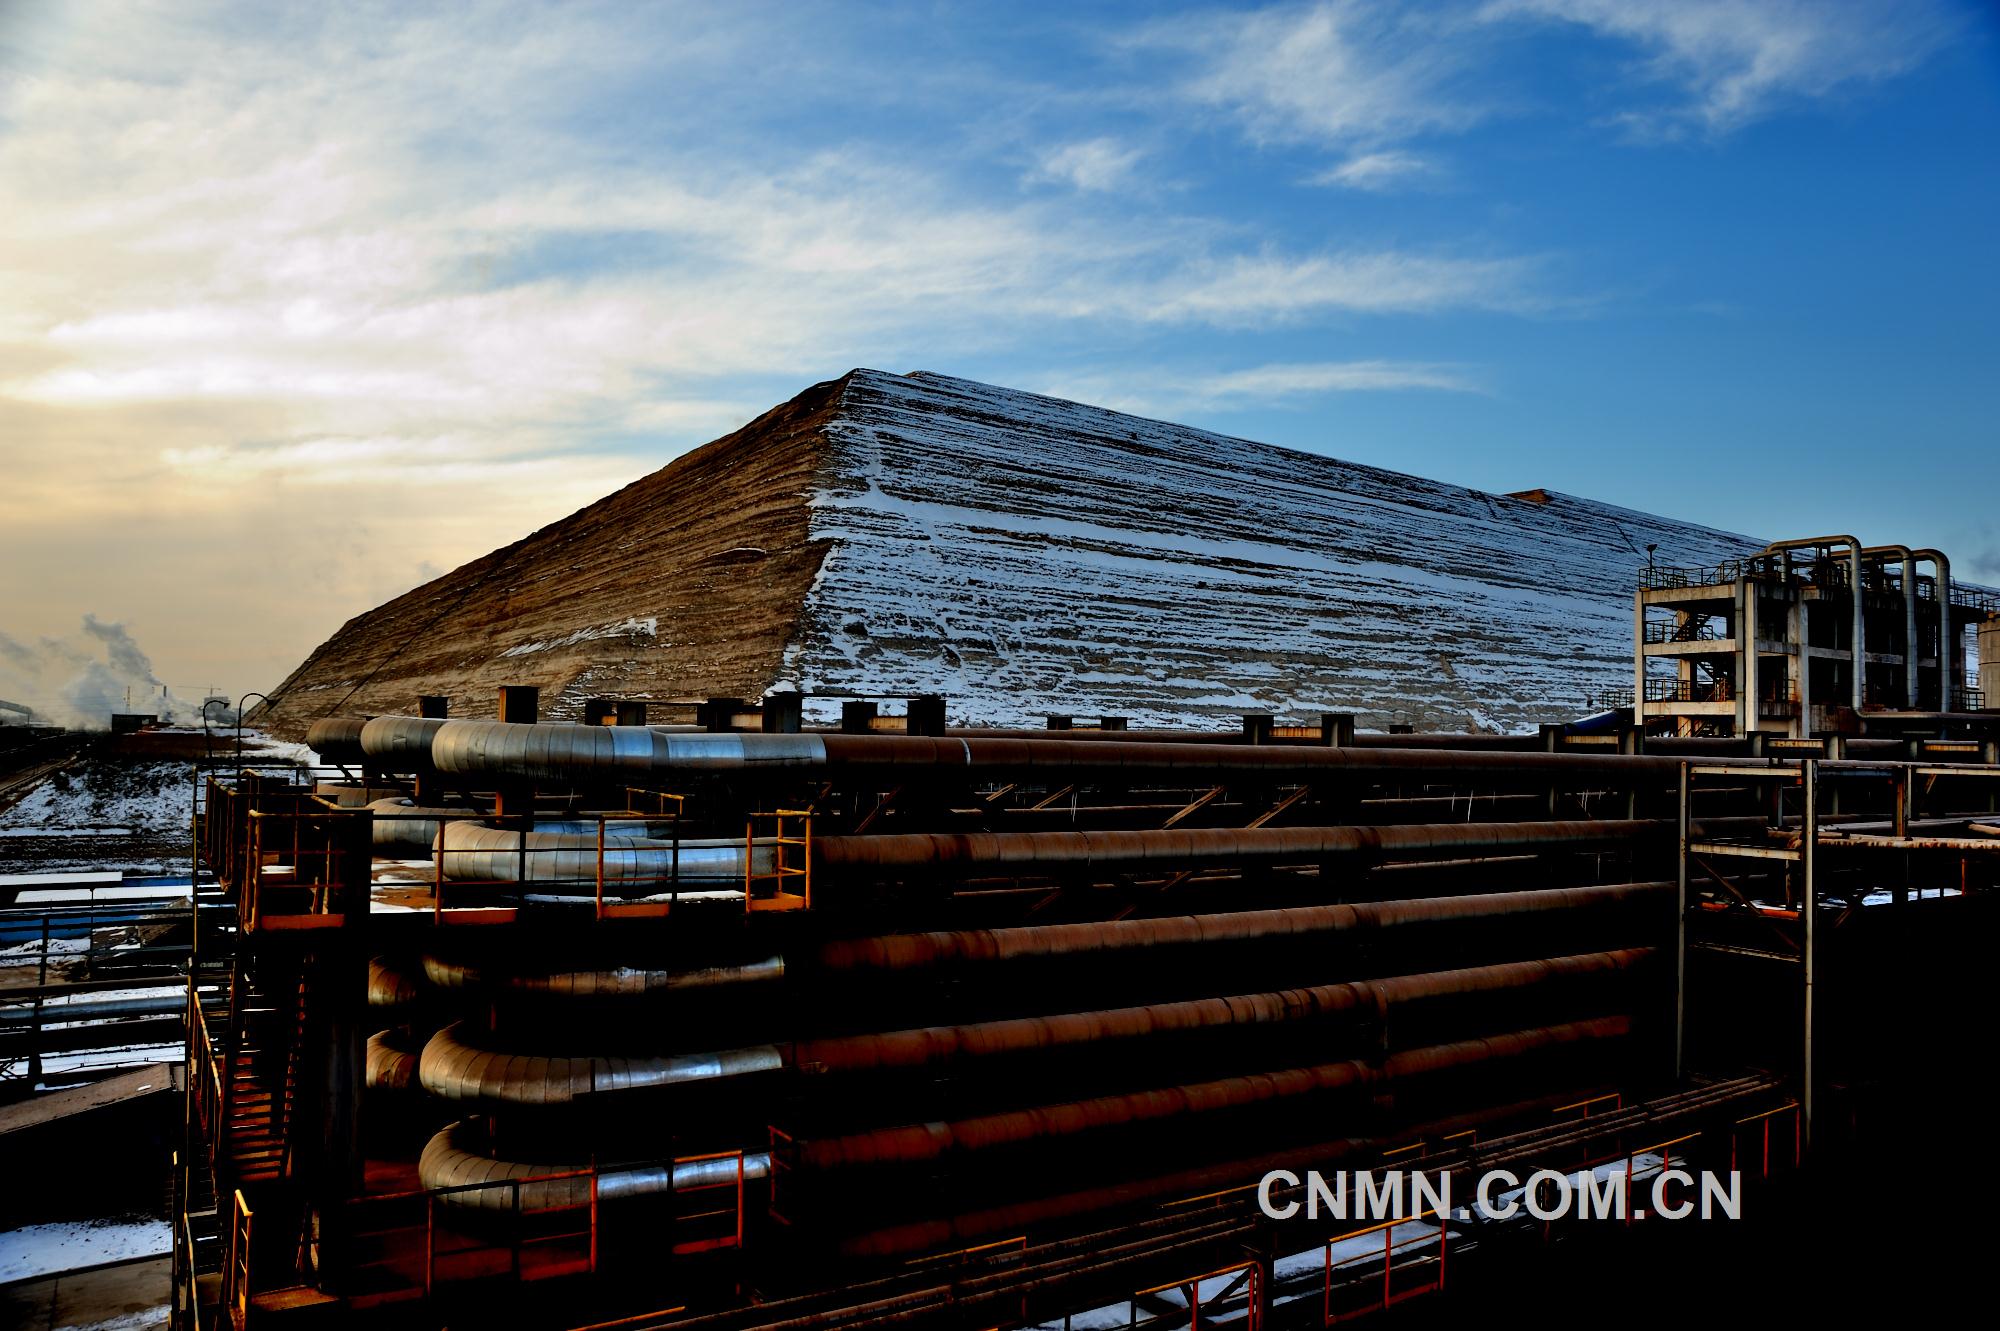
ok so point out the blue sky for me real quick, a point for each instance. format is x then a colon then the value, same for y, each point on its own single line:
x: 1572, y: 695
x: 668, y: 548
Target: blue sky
x: 307, y: 306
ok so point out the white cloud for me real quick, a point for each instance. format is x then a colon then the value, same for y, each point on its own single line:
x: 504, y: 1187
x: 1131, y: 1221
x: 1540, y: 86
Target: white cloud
x: 1165, y: 393
x: 1270, y: 383
x: 1341, y: 72
x: 284, y: 288
x: 1377, y: 171
x: 1100, y: 164
x: 1736, y: 60
x: 1244, y: 290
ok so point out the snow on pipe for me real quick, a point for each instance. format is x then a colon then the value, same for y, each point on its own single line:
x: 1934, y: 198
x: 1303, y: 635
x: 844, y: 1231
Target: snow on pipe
x: 499, y: 749
x: 448, y: 1162
x: 927, y: 1142
x: 902, y: 952
x: 453, y: 1069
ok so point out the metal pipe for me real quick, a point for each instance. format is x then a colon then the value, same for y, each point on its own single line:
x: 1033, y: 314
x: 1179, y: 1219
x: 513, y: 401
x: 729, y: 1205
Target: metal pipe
x: 1014, y: 854
x: 474, y: 851
x: 448, y: 1162
x: 929, y: 1142
x: 614, y: 982
x: 1947, y: 657
x: 389, y: 1066
x: 336, y: 739
x: 1909, y: 567
x: 1853, y: 545
x: 903, y: 952
x: 453, y: 1069
x: 389, y: 985
x: 583, y: 753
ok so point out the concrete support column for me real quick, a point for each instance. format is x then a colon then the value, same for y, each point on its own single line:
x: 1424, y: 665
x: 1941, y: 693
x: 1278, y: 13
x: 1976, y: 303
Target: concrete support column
x: 1062, y: 723
x: 1802, y: 667
x: 857, y: 716
x: 1257, y: 727
x: 630, y: 712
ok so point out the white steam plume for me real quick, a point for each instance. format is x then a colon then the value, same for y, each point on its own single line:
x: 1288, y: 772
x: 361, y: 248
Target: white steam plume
x: 79, y: 681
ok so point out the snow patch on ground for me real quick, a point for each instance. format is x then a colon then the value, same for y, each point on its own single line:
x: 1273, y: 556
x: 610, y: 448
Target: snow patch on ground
x: 39, y: 1250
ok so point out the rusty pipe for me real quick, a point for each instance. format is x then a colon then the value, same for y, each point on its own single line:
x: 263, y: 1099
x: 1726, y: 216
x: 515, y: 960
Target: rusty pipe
x: 923, y: 1143
x: 454, y: 1069
x: 1015, y: 854
x: 899, y: 952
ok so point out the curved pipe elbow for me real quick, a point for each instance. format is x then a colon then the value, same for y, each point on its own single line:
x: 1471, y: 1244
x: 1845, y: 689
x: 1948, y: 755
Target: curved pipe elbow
x: 467, y: 1179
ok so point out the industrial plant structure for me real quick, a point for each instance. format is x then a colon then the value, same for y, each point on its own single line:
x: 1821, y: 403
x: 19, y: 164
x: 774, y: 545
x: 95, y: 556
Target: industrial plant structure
x: 1807, y: 637
x: 747, y: 1024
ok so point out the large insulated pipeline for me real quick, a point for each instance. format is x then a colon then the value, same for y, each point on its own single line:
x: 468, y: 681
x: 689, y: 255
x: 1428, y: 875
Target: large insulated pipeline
x: 920, y: 1143
x: 389, y: 1066
x: 549, y: 753
x: 448, y: 1162
x: 904, y: 952
x: 336, y: 739
x: 480, y: 853
x: 452, y: 1069
x: 477, y: 852
x: 403, y: 829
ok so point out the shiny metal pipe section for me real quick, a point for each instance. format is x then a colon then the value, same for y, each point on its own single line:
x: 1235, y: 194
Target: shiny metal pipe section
x: 455, y: 1070
x: 389, y: 986
x: 584, y: 753
x: 406, y: 830
x: 1013, y: 854
x: 400, y: 743
x: 449, y: 1162
x: 494, y: 749
x: 476, y: 852
x: 389, y: 1066
x: 336, y: 739
x: 619, y: 982
x: 473, y: 851
x: 928, y: 1142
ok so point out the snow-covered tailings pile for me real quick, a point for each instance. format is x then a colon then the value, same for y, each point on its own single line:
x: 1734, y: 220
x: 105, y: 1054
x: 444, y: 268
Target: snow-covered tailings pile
x: 900, y: 534
x: 1021, y: 553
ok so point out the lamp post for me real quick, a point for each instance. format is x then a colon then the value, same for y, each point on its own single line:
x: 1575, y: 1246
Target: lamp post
x: 239, y: 720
